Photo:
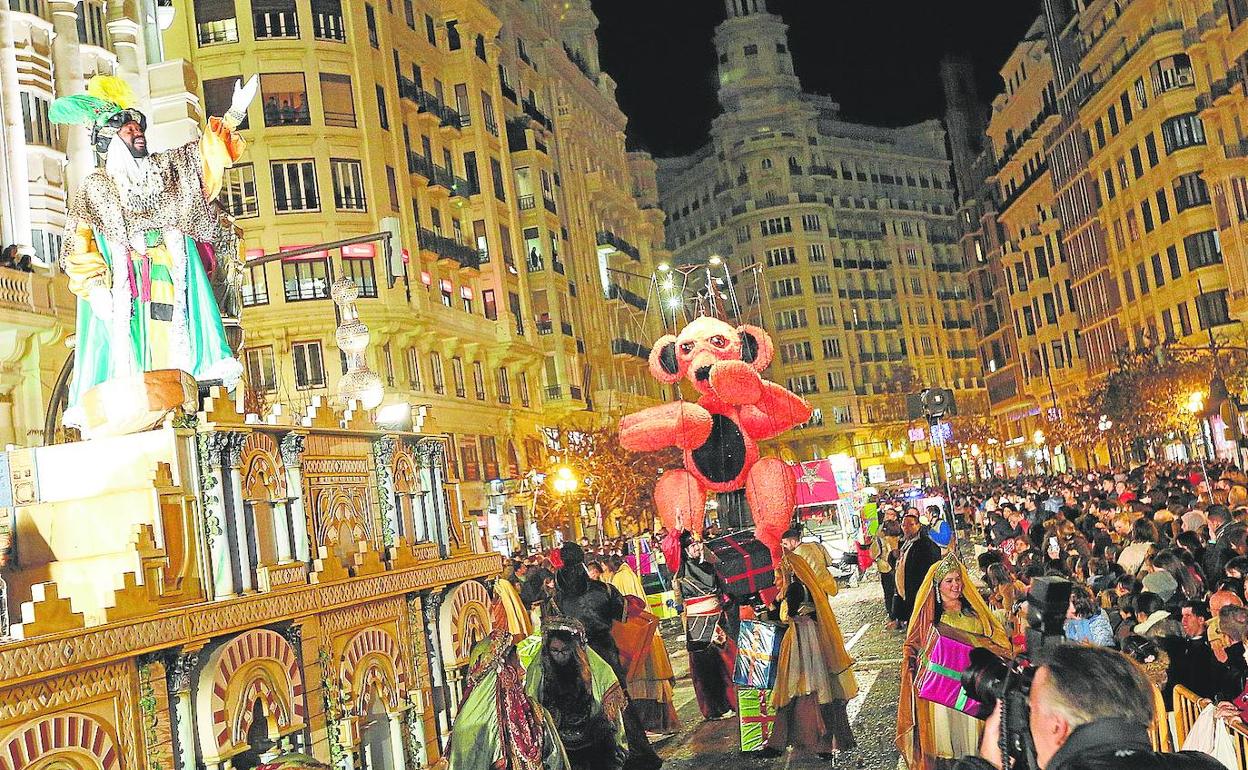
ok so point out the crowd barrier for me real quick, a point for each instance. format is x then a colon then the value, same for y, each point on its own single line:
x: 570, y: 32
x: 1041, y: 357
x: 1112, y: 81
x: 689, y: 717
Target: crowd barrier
x: 1187, y: 707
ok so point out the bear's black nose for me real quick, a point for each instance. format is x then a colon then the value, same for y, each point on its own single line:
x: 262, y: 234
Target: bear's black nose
x: 702, y: 373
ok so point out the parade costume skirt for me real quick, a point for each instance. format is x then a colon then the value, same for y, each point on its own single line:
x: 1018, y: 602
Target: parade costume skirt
x: 807, y: 725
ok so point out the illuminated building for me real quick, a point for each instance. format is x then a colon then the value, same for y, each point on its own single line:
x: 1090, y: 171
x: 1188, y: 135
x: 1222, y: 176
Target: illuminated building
x: 851, y: 227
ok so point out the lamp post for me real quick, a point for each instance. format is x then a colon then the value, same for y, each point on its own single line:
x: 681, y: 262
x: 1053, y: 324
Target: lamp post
x: 565, y: 482
x: 1041, y: 457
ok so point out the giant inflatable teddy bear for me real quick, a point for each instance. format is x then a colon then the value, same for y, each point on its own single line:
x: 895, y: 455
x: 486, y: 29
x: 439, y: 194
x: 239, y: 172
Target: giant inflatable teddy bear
x: 719, y: 433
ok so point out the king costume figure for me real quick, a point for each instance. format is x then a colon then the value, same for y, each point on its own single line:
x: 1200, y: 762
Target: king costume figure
x: 143, y: 236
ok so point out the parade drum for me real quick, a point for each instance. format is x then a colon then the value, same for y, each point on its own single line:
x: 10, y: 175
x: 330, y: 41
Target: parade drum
x: 124, y: 405
x: 702, y: 616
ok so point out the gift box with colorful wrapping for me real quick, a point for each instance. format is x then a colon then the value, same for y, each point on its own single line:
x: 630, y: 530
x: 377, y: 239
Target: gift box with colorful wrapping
x: 939, y: 680
x: 755, y: 717
x: 744, y: 562
x: 758, y: 649
x: 663, y: 605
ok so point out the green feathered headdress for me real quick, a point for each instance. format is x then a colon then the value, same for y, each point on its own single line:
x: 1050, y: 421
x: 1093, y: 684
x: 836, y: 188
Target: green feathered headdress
x: 107, y: 105
x: 106, y: 96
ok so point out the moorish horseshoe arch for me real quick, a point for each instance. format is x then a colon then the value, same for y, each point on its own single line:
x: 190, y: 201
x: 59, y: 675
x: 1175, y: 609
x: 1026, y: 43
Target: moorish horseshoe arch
x: 463, y: 620
x: 372, y: 661
x: 81, y: 741
x: 259, y: 665
x: 264, y: 477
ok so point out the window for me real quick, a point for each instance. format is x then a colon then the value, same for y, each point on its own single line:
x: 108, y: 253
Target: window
x: 751, y: 50
x: 35, y: 121
x: 1190, y: 191
x: 1159, y: 275
x: 811, y: 223
x: 786, y: 287
x: 804, y: 384
x: 336, y: 100
x: 496, y: 172
x: 409, y: 14
x: 1185, y: 319
x: 832, y: 348
x: 1141, y: 93
x: 1146, y: 214
x: 1110, y: 190
x: 478, y: 380
x: 836, y: 380
x: 1182, y: 131
x: 360, y: 270
x: 431, y: 31
x: 309, y: 365
x: 305, y: 277
x: 1202, y: 249
x: 524, y: 388
x: 790, y: 319
x: 218, y: 94
x: 826, y: 315
x: 1128, y: 285
x: 764, y: 164
x: 392, y: 185
x: 294, y: 186
x: 821, y: 284
x: 91, y: 24
x: 238, y: 191
x: 470, y: 461
x: 1211, y: 309
x: 489, y: 304
x: 413, y: 369
x: 775, y: 226
x: 370, y: 18
x: 261, y: 374
x: 285, y: 99
x: 502, y: 382
x: 348, y: 184
x: 782, y: 256
x: 816, y: 253
x: 1172, y: 72
x: 1172, y: 256
x: 489, y: 458
x: 1141, y: 272
x: 487, y: 113
x: 255, y: 286
x: 1124, y: 101
x: 327, y: 20
x: 457, y: 372
x: 453, y: 39
x: 1137, y: 163
x: 215, y: 22
x: 1163, y: 206
x: 435, y: 371
x: 383, y: 114
x: 1150, y: 149
x: 274, y: 19
x: 795, y: 351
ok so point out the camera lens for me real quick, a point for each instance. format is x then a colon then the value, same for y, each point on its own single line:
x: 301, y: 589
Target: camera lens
x: 986, y: 678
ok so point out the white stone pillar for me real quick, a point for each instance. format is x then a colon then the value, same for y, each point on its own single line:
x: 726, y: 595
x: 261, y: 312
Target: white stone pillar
x: 281, y: 530
x: 398, y: 747
x: 292, y: 459
x: 246, y: 539
x: 179, y: 674
x: 15, y: 216
x: 211, y: 447
x: 68, y: 80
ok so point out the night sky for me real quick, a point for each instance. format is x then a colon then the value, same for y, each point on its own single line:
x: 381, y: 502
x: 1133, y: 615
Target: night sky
x: 877, y: 58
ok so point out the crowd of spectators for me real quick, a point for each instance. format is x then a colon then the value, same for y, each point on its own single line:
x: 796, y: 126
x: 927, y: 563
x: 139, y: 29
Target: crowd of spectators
x: 1158, y: 557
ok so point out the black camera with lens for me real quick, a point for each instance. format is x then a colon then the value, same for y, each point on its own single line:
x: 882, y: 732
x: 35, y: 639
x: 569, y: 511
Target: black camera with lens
x: 991, y: 680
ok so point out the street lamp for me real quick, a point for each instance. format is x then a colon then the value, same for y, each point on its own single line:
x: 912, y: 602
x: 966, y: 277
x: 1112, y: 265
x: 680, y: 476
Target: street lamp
x: 565, y: 481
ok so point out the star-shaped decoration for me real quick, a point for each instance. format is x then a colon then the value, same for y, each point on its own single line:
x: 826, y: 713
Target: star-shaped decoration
x: 810, y: 477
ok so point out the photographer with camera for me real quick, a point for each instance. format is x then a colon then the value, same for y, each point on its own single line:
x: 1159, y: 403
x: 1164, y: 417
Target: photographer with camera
x: 1085, y: 708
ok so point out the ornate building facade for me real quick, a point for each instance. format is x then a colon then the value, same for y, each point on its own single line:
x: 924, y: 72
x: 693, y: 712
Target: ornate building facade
x: 841, y: 237
x: 220, y: 591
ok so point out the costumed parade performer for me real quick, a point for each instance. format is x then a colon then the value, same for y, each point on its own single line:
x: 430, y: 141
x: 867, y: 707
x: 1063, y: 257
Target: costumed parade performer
x: 711, y: 630
x: 814, y: 673
x: 143, y: 236
x: 499, y: 726
x: 651, y: 681
x: 932, y: 736
x: 508, y: 610
x: 583, y: 696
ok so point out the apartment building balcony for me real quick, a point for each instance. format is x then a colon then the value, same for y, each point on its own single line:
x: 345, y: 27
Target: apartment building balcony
x: 448, y: 249
x: 627, y: 348
x: 626, y: 296
x: 428, y: 105
x: 563, y: 394
x: 539, y: 117
x: 609, y: 240
x: 30, y: 292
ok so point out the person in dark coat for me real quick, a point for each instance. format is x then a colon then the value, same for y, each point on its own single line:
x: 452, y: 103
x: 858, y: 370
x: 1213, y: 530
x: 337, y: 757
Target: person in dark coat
x: 598, y: 606
x: 1222, y: 530
x: 915, y: 557
x: 1090, y: 709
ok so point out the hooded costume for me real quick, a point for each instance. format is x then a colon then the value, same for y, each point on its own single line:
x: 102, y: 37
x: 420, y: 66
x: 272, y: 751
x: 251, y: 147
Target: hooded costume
x: 142, y: 237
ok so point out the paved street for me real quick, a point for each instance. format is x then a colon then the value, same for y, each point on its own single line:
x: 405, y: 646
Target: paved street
x: 714, y: 745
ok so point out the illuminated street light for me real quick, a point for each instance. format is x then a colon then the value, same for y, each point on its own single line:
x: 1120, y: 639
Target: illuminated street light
x: 1038, y: 437
x: 1195, y: 402
x: 565, y: 481
x: 673, y: 303
x: 664, y: 267
x: 1105, y: 423
x: 715, y: 261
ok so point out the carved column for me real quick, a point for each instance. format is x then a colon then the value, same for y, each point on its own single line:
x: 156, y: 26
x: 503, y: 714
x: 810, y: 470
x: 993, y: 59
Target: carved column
x: 388, y: 516
x: 293, y: 634
x: 233, y: 495
x: 179, y: 669
x: 432, y: 602
x: 212, y: 495
x: 429, y: 453
x: 69, y: 80
x: 292, y: 460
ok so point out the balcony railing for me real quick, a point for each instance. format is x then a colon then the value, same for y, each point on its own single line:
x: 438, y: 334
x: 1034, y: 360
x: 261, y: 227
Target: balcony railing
x: 528, y: 202
x: 21, y: 290
x: 428, y: 103
x: 608, y: 238
x: 562, y: 393
x: 447, y: 248
x: 626, y: 296
x: 544, y: 326
x: 629, y: 348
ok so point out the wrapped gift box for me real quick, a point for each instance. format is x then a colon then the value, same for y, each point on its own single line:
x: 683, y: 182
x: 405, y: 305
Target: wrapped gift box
x: 662, y: 605
x: 755, y: 717
x: 939, y: 678
x: 758, y: 650
x: 744, y: 563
